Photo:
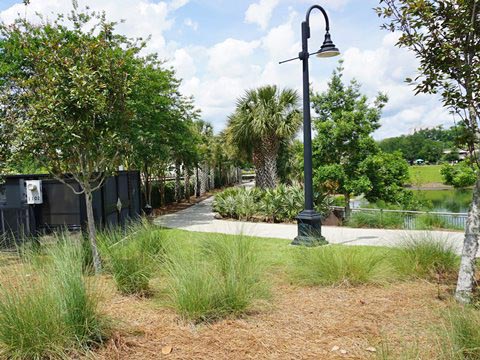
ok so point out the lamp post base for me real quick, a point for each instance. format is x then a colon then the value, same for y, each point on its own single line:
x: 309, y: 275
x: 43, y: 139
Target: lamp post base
x: 309, y: 229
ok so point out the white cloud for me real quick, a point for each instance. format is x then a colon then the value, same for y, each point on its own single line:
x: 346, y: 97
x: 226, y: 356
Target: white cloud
x: 190, y: 23
x: 261, y: 12
x: 385, y: 69
x: 143, y: 17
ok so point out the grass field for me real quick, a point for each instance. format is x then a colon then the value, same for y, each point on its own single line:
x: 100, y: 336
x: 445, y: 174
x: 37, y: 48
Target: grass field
x: 331, y: 302
x: 425, y: 174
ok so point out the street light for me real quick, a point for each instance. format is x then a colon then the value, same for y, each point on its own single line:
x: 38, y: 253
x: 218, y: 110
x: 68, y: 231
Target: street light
x: 309, y: 221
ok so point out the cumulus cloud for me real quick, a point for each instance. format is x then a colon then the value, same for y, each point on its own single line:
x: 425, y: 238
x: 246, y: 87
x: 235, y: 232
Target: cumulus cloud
x: 144, y: 17
x: 261, y: 12
x: 190, y: 23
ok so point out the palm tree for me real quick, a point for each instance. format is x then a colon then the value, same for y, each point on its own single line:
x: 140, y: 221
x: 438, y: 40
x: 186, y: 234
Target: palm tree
x: 264, y: 117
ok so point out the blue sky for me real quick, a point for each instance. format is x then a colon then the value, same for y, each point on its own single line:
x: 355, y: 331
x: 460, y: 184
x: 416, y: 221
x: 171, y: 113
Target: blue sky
x: 221, y: 48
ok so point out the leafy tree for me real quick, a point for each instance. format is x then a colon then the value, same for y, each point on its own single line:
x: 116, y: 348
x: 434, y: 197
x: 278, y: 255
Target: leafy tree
x: 64, y: 91
x: 459, y: 176
x: 264, y: 117
x: 387, y: 174
x: 154, y: 98
x: 426, y: 144
x: 343, y: 126
x: 444, y: 35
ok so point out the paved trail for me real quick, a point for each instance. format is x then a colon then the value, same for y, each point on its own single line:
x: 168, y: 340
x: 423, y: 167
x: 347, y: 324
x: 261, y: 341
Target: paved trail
x: 200, y: 217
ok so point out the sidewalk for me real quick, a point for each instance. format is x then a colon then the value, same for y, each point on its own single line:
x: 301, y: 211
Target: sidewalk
x: 200, y: 217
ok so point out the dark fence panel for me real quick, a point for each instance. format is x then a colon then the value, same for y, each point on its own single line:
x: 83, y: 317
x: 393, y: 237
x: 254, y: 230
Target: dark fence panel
x: 117, y: 201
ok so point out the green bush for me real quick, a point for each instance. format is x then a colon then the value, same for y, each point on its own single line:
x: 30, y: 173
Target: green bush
x: 433, y: 221
x: 221, y: 278
x: 459, y: 176
x: 51, y: 311
x: 376, y: 220
x: 340, y: 265
x: 425, y: 256
x: 131, y: 256
x: 459, y: 338
x: 280, y: 204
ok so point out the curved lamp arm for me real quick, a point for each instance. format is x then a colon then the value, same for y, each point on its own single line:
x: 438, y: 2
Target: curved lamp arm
x: 318, y: 7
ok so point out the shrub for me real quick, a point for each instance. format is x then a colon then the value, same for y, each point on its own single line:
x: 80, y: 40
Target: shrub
x: 433, y: 221
x: 280, y: 204
x: 339, y: 265
x: 131, y: 256
x: 223, y: 278
x: 425, y: 256
x: 459, y: 176
x: 376, y: 220
x: 459, y: 338
x: 52, y: 311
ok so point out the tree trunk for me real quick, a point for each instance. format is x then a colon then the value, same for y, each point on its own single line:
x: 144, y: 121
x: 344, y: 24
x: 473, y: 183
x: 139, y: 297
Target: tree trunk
x: 348, y: 209
x: 197, y: 183
x: 92, y: 233
x: 466, y: 275
x: 203, y: 179
x: 148, y: 187
x: 259, y: 163
x: 178, y: 190
x: 161, y: 189
x: 187, y: 184
x: 270, y: 164
x: 212, y: 177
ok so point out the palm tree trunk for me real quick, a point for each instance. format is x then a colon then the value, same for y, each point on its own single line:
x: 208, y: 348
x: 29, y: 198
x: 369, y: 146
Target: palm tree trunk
x: 270, y: 154
x: 259, y: 163
x: 187, y: 184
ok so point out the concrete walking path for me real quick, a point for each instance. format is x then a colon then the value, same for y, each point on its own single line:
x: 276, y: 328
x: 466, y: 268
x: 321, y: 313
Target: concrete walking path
x: 200, y: 218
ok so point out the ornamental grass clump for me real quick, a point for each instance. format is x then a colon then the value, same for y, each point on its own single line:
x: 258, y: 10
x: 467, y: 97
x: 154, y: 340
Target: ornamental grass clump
x: 426, y: 256
x: 340, y: 266
x: 50, y: 310
x: 132, y: 256
x: 222, y: 277
x: 459, y: 337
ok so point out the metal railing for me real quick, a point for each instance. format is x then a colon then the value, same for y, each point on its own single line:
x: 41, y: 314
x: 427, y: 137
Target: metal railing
x: 412, y: 220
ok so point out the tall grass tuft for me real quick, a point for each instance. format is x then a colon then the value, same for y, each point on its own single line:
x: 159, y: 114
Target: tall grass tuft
x: 221, y: 278
x: 340, y: 265
x: 459, y: 338
x: 49, y: 311
x: 131, y: 256
x: 425, y: 256
x: 376, y: 220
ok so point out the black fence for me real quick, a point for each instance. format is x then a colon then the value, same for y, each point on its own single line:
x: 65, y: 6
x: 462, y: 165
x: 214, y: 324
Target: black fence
x: 117, y: 201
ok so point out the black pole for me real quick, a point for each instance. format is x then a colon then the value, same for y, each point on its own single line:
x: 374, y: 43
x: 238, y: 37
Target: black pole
x: 309, y: 221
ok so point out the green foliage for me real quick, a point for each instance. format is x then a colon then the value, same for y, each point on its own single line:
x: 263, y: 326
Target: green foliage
x: 376, y: 220
x: 459, y: 176
x: 279, y: 204
x: 459, y: 338
x: 387, y: 174
x: 221, y: 278
x: 264, y: 119
x: 345, y: 154
x: 340, y: 265
x: 426, y: 257
x: 52, y: 310
x: 132, y: 256
x: 433, y: 221
x: 426, y: 144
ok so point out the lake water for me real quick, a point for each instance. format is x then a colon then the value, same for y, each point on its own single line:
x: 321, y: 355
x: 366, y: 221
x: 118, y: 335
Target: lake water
x: 455, y: 201
x: 447, y: 200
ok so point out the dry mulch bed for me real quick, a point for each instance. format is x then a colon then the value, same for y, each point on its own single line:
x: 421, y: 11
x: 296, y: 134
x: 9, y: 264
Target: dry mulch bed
x: 303, y: 323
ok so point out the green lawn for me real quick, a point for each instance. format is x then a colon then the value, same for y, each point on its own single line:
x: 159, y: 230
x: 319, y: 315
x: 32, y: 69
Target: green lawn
x: 425, y: 174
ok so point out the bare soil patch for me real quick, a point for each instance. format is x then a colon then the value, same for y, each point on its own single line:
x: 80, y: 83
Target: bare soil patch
x: 303, y: 323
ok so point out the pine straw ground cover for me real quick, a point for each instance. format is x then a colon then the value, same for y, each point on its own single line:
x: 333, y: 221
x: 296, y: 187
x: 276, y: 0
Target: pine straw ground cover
x: 383, y: 321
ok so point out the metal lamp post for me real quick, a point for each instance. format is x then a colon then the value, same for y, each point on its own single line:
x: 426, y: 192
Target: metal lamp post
x: 309, y: 221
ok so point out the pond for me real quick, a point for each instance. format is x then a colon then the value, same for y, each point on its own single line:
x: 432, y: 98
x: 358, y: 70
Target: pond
x: 455, y: 201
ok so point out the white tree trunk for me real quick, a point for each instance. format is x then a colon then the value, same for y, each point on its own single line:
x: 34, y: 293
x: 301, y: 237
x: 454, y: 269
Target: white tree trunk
x: 203, y: 179
x: 178, y: 189
x: 212, y: 178
x: 92, y: 233
x: 466, y: 275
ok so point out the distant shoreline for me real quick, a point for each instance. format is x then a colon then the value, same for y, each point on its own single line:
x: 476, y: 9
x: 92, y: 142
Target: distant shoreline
x: 432, y: 186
